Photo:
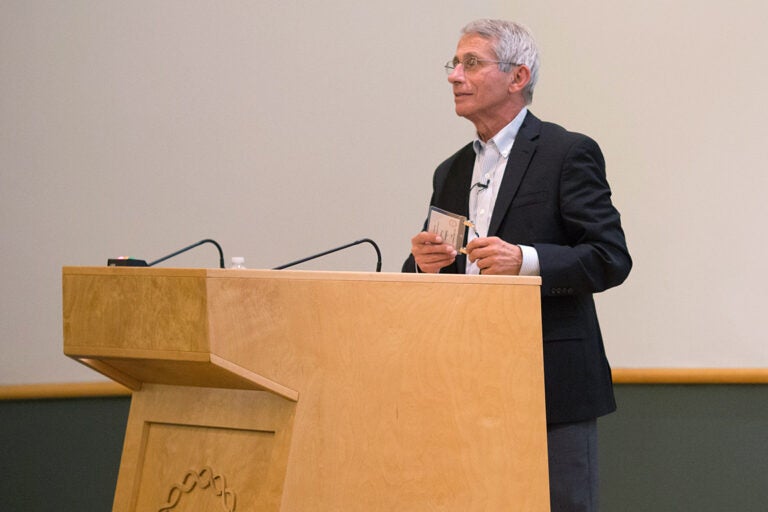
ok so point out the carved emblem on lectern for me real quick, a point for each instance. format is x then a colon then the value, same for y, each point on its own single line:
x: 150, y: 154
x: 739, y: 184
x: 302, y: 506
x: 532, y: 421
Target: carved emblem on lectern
x: 204, y: 479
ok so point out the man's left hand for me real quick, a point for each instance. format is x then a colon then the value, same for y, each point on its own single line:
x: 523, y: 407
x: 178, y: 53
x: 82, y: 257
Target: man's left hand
x: 494, y: 256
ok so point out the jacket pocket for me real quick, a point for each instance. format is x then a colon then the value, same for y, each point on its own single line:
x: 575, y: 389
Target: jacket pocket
x: 529, y: 199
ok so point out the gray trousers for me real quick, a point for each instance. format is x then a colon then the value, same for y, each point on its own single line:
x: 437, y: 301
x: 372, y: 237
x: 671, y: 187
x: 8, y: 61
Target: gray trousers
x: 573, y: 476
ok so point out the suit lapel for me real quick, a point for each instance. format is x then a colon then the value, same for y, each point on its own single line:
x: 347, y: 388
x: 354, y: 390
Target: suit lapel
x: 456, y: 198
x: 517, y: 165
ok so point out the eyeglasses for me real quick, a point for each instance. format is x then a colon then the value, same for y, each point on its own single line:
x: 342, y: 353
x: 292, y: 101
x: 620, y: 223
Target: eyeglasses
x: 471, y: 63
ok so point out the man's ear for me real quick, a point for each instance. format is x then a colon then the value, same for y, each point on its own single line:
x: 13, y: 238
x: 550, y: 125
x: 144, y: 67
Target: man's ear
x: 521, y: 75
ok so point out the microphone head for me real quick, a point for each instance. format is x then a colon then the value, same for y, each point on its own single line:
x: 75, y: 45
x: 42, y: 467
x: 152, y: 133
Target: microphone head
x: 125, y: 261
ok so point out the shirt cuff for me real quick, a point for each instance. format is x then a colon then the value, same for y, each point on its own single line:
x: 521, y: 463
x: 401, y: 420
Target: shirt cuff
x: 530, y: 265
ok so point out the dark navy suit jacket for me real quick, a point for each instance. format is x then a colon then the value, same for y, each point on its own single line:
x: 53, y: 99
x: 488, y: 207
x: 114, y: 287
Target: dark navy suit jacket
x: 555, y: 197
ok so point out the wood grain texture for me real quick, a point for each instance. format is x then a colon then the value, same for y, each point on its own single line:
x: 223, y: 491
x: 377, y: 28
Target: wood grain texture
x: 690, y: 375
x: 242, y: 436
x: 414, y: 392
x: 44, y: 391
x: 110, y: 308
x: 148, y: 325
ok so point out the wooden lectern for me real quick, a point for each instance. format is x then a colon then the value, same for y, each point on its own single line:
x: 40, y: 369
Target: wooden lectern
x: 294, y: 391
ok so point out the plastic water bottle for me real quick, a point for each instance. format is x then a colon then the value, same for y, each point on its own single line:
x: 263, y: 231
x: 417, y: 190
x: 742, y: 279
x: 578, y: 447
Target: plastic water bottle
x: 237, y: 262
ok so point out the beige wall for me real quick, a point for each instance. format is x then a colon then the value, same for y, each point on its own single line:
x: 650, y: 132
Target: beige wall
x: 285, y: 128
x: 675, y: 92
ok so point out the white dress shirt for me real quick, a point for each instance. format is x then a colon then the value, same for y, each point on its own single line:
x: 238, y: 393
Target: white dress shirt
x: 490, y: 163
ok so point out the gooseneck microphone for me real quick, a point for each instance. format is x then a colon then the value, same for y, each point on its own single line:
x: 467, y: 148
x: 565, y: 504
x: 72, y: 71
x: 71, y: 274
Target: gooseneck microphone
x: 131, y: 262
x: 356, y: 242
x: 201, y: 242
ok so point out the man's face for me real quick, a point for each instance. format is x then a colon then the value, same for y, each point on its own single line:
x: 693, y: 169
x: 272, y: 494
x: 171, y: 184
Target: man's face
x: 482, y: 94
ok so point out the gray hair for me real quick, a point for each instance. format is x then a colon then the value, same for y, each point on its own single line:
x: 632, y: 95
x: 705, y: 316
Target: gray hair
x: 512, y: 43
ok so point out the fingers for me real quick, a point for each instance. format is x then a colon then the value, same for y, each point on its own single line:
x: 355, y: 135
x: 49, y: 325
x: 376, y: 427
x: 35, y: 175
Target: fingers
x: 426, y: 237
x: 495, y: 256
x: 491, y: 254
x: 430, y: 253
x: 482, y: 248
x: 430, y: 244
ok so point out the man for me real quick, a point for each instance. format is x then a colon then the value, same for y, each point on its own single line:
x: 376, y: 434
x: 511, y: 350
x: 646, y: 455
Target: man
x: 540, y: 204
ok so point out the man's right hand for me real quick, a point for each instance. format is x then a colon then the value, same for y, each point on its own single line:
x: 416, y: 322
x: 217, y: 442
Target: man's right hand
x: 430, y: 253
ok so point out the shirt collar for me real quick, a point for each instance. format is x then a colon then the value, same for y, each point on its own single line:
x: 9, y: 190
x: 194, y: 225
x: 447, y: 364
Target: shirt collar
x: 505, y: 138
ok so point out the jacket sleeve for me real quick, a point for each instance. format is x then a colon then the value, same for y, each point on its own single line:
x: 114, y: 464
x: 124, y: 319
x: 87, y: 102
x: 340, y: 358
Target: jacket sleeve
x: 593, y: 255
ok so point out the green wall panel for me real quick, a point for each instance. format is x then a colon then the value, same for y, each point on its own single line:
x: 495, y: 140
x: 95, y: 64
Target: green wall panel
x: 686, y: 448
x: 668, y: 448
x: 60, y: 455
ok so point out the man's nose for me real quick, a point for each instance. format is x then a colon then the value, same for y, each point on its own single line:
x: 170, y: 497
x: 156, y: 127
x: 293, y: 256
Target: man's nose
x: 457, y: 74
